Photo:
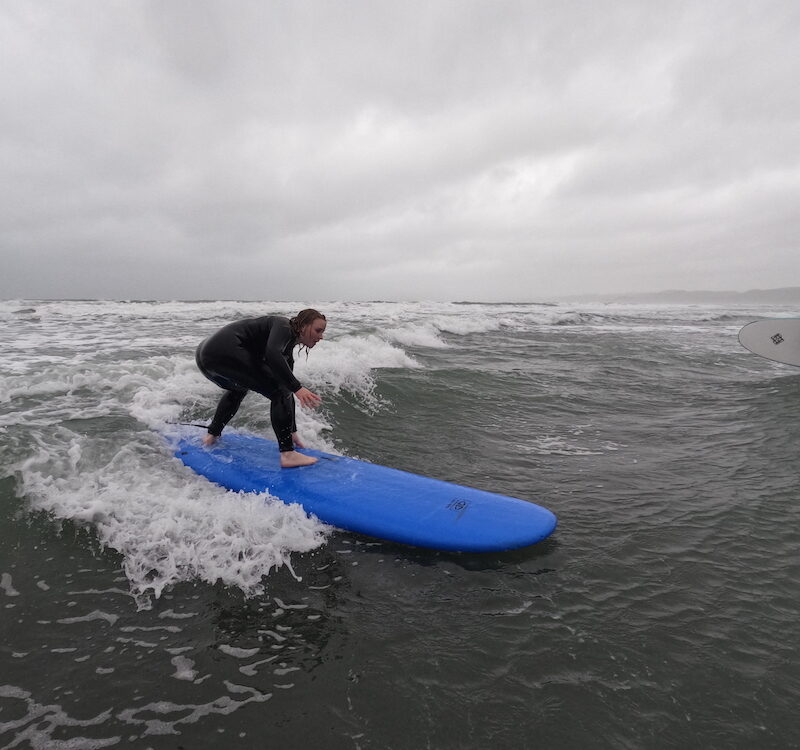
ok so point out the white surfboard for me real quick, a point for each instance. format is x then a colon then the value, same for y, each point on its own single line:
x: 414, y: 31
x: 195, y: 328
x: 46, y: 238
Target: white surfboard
x: 777, y: 339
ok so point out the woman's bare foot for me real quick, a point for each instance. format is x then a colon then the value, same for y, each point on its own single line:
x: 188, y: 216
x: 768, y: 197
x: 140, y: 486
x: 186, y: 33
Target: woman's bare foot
x: 292, y: 459
x: 209, y: 440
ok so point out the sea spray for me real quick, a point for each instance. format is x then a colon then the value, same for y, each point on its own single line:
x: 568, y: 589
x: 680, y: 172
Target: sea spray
x: 346, y: 365
x: 168, y: 524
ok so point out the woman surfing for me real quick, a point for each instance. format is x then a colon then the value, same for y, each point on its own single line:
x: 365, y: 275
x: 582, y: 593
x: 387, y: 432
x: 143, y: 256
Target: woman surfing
x: 256, y: 354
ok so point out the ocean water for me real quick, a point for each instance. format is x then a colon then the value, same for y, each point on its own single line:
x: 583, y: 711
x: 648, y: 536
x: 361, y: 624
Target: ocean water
x: 142, y: 607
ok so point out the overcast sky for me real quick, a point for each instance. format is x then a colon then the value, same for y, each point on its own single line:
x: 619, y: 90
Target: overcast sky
x: 370, y: 149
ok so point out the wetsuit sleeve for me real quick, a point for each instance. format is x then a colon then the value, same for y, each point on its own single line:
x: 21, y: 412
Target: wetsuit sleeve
x: 280, y: 336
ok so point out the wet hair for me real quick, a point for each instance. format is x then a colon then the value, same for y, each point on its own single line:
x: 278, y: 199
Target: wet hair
x: 304, y: 318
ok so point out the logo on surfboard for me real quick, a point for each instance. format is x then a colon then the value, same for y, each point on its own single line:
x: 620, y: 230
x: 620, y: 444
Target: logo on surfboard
x: 777, y: 339
x: 459, y: 506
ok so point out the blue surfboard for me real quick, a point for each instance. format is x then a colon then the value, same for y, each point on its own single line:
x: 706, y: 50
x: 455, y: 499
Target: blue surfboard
x: 373, y: 500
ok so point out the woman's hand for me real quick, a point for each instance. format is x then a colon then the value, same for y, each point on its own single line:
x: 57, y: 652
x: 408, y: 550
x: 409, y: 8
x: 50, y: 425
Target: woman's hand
x: 307, y: 398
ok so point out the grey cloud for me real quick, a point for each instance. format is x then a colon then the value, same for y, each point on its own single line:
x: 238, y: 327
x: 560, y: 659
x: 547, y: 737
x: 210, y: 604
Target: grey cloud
x: 241, y: 149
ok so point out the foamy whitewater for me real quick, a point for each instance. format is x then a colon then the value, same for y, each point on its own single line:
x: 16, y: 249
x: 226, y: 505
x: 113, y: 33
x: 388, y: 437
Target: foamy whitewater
x: 144, y: 607
x: 131, y: 365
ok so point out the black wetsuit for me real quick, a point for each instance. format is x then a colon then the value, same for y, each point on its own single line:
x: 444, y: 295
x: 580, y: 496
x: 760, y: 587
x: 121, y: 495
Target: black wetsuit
x: 253, y: 355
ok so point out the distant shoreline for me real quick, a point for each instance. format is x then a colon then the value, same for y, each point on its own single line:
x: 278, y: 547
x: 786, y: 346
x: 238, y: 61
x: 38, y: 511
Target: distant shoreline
x: 782, y: 296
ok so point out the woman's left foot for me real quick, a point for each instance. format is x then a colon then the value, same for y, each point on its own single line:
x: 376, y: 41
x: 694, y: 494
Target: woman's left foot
x: 292, y: 459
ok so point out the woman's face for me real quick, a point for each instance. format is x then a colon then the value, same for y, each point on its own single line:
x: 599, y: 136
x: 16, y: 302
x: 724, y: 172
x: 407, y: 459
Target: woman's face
x: 313, y: 332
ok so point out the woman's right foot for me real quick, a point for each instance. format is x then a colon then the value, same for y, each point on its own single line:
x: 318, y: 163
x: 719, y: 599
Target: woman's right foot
x: 293, y: 459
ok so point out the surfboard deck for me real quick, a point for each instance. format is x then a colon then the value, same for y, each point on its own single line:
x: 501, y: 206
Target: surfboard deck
x: 370, y: 499
x: 777, y: 339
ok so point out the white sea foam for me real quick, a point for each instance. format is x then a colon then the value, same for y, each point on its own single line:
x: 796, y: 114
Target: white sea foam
x: 417, y: 334
x: 184, y: 668
x: 238, y: 653
x: 346, y: 365
x: 251, y: 670
x: 550, y: 445
x: 94, y: 615
x: 466, y: 324
x: 39, y: 725
x: 171, y: 614
x: 7, y: 586
x: 170, y: 716
x: 168, y: 524
x: 348, y: 358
